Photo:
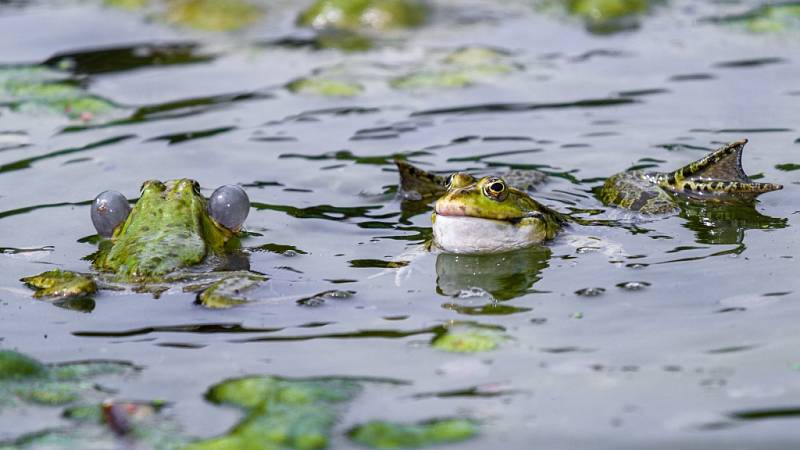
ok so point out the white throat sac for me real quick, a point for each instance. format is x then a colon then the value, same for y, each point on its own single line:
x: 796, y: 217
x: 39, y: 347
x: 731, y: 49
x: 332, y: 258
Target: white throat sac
x: 459, y: 234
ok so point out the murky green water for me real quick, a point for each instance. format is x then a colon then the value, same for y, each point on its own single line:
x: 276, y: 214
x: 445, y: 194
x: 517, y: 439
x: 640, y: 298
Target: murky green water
x: 684, y: 337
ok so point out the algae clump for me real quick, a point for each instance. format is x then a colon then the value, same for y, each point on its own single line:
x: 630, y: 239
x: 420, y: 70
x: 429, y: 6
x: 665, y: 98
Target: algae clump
x: 202, y: 15
x: 213, y: 15
x: 326, y: 87
x: 279, y: 413
x: 378, y: 15
x: 460, y: 68
x: 60, y: 284
x: 768, y: 18
x: 603, y: 16
x: 36, y: 89
x: 381, y: 434
x: 23, y: 379
x: 469, y: 338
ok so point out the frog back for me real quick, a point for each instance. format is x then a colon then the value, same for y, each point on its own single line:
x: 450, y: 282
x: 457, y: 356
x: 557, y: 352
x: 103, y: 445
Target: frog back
x: 637, y: 191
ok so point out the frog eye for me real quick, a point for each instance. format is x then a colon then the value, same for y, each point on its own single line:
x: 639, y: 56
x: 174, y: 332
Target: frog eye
x: 229, y: 206
x: 496, y: 189
x: 109, y: 210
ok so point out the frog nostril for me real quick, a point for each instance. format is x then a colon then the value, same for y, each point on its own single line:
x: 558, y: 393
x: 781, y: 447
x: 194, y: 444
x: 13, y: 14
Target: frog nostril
x: 229, y: 206
x: 109, y: 210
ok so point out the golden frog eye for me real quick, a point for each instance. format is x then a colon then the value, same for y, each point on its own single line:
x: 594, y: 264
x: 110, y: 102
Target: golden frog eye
x: 495, y: 189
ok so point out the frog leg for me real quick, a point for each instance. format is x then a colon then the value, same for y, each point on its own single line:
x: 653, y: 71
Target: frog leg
x: 718, y: 176
x: 416, y: 184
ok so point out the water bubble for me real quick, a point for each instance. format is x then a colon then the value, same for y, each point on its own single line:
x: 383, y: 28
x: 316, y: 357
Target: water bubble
x: 472, y: 293
x: 339, y: 295
x: 633, y: 285
x: 590, y: 292
x: 109, y: 210
x: 319, y: 299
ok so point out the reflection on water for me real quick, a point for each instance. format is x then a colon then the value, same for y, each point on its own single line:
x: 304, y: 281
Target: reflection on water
x: 504, y: 276
x: 726, y: 224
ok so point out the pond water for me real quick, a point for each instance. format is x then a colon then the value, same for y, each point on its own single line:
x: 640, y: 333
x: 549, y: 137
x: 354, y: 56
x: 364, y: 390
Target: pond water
x: 673, y: 332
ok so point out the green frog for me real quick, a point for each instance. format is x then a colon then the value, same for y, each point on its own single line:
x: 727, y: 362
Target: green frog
x: 172, y: 234
x: 716, y: 178
x: 487, y: 215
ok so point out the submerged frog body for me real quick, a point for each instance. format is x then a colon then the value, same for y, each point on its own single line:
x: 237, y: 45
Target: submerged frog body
x: 418, y: 184
x: 487, y: 216
x: 716, y: 178
x: 173, y: 233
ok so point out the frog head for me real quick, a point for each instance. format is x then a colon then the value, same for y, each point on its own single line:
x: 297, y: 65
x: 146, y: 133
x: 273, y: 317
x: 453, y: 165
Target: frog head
x: 488, y: 216
x: 172, y: 226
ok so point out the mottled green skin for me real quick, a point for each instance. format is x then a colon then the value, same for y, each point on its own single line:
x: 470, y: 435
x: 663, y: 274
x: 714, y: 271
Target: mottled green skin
x: 418, y: 184
x: 382, y: 434
x: 716, y: 178
x: 470, y: 197
x: 279, y: 413
x: 168, y: 229
x: 357, y: 15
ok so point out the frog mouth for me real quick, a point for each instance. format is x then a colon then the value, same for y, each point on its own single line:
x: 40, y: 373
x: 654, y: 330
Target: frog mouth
x: 451, y: 210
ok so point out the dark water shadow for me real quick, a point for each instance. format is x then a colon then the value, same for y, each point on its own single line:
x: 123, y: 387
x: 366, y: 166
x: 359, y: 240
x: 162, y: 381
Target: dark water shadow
x: 128, y: 57
x: 27, y: 209
x: 204, y: 328
x: 27, y: 162
x: 436, y: 331
x: 491, y: 108
x: 326, y: 212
